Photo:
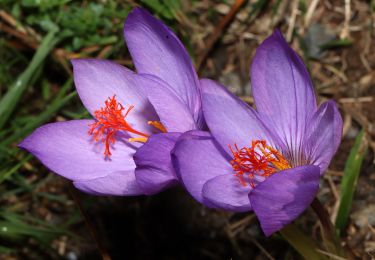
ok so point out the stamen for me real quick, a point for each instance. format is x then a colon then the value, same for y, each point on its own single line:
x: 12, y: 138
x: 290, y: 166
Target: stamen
x: 256, y: 162
x: 158, y: 125
x: 138, y: 139
x: 110, y: 120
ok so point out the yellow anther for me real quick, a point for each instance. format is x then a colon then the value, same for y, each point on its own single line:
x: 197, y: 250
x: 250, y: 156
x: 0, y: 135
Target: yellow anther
x: 157, y: 125
x: 138, y: 139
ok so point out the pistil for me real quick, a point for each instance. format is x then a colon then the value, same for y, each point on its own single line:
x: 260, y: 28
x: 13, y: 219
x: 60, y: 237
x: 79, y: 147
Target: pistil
x: 112, y: 119
x: 257, y: 162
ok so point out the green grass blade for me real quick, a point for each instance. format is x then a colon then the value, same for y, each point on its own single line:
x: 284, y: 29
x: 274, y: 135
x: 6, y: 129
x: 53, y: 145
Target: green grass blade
x: 301, y: 243
x: 10, y: 100
x: 336, y: 44
x: 350, y: 178
x: 15, y: 226
x: 56, y: 105
x: 6, y: 174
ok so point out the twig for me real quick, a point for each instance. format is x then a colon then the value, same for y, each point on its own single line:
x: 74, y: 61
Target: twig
x: 333, y: 256
x: 240, y: 225
x: 345, y: 30
x: 347, y: 124
x: 292, y: 21
x: 356, y: 113
x: 10, y: 20
x: 337, y: 72
x: 20, y: 35
x: 358, y: 99
x: 218, y: 32
x: 310, y: 12
x: 27, y: 36
x: 335, y: 194
x: 264, y: 251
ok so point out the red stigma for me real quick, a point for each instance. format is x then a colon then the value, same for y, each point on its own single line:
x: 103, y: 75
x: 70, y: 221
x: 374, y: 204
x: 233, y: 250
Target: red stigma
x: 110, y: 120
x: 259, y: 159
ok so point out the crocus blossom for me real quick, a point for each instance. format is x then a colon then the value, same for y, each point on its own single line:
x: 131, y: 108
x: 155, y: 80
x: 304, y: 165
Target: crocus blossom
x: 142, y: 113
x: 267, y: 160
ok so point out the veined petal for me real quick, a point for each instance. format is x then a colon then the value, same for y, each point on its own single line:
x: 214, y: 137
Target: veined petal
x: 324, y: 135
x: 197, y: 159
x: 230, y: 120
x: 154, y: 170
x: 283, y: 196
x: 67, y: 149
x: 282, y: 90
x: 114, y: 184
x: 97, y: 80
x: 173, y: 113
x: 156, y: 50
x: 226, y: 192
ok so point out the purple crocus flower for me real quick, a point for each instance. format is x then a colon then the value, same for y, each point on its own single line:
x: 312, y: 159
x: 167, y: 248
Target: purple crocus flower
x: 142, y: 112
x: 269, y: 160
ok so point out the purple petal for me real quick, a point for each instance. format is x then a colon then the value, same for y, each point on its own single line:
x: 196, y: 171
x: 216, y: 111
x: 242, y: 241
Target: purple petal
x: 227, y: 192
x: 324, y: 136
x: 173, y: 113
x: 67, y: 149
x: 96, y: 80
x: 282, y: 89
x: 157, y: 51
x: 198, y: 159
x: 230, y: 120
x: 282, y: 197
x: 117, y: 183
x: 155, y: 171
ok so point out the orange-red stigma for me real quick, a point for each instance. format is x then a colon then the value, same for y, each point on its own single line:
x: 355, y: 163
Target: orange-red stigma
x: 111, y: 119
x: 259, y: 159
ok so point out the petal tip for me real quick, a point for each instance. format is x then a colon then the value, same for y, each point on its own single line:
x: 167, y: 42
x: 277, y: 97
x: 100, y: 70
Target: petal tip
x: 136, y: 15
x: 278, y: 34
x: 284, y: 196
x: 76, y: 62
x: 27, y: 144
x: 24, y: 144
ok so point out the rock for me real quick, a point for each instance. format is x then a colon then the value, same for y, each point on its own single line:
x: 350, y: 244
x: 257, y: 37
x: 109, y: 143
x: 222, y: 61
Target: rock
x: 364, y: 217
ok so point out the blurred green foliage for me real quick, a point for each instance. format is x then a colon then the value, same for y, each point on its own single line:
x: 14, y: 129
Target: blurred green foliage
x: 164, y: 8
x: 88, y: 22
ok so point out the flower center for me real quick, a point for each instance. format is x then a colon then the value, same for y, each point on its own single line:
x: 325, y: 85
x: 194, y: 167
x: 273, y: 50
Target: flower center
x: 111, y: 119
x: 253, y: 164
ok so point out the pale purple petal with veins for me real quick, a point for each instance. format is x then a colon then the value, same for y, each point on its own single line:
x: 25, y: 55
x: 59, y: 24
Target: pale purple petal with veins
x: 197, y: 159
x: 229, y: 119
x: 157, y: 51
x: 155, y: 171
x: 97, y: 80
x: 324, y: 135
x: 282, y: 90
x: 67, y: 149
x: 173, y: 113
x: 227, y: 192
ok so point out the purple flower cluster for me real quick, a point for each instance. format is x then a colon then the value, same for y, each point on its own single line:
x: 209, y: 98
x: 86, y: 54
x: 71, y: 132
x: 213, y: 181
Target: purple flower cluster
x: 161, y: 126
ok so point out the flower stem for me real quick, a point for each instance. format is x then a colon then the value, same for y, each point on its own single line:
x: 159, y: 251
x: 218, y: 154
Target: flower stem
x: 331, y: 240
